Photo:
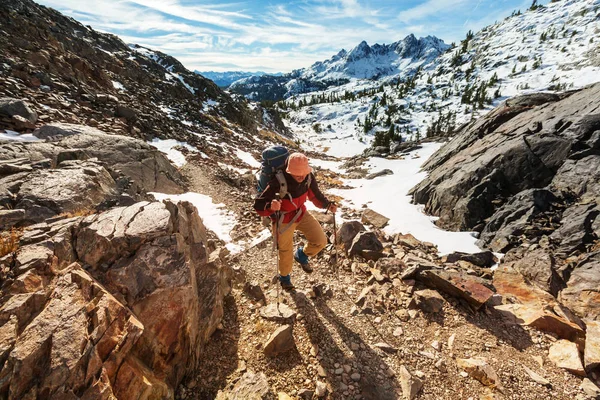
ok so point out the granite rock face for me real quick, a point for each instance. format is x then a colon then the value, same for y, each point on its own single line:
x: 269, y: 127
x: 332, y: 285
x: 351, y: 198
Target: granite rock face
x: 113, y: 304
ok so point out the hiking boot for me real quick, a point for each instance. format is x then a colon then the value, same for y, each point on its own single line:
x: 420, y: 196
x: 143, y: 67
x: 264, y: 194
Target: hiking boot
x: 286, y: 283
x: 302, y: 259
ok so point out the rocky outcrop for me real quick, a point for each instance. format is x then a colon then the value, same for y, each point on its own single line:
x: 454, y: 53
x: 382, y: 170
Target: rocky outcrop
x: 80, y: 171
x: 526, y: 177
x: 113, y: 304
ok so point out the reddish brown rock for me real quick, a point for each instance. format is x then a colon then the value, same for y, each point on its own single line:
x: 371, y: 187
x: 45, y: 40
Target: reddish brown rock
x: 457, y: 284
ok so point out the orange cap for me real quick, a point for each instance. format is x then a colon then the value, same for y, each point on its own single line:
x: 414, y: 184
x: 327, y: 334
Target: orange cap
x: 298, y: 165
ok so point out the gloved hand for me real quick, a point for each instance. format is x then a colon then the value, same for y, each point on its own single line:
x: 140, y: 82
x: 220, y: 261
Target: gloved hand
x: 275, y: 205
x: 332, y: 207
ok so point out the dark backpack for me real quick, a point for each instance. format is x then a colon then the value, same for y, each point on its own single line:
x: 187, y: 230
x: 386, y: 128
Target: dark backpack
x: 273, y: 163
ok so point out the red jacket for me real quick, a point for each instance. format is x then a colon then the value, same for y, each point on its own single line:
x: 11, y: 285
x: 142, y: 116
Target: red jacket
x: 297, y: 195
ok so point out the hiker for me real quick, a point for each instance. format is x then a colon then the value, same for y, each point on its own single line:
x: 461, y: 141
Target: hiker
x: 301, y: 185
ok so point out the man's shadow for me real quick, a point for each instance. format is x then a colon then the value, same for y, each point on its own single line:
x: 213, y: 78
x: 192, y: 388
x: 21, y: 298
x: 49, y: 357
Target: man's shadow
x: 320, y: 336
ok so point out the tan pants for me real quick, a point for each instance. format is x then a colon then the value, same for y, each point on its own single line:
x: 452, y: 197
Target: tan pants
x: 313, y: 232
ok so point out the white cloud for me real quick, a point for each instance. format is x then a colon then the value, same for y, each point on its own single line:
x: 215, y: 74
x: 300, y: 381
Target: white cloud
x: 429, y: 8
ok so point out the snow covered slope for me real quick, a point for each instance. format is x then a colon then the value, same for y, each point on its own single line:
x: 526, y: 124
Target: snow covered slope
x: 552, y: 48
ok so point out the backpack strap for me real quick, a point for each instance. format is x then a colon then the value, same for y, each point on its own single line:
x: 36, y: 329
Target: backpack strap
x: 283, y: 186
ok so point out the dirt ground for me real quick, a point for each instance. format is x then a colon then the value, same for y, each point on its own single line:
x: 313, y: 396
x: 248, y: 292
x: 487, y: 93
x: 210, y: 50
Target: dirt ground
x: 340, y: 344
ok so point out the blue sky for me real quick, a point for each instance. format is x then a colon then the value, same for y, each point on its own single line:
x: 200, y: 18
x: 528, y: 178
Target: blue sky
x: 278, y: 36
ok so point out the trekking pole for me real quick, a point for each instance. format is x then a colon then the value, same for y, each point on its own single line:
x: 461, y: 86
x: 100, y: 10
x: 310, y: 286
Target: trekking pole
x: 276, y: 236
x: 335, y: 250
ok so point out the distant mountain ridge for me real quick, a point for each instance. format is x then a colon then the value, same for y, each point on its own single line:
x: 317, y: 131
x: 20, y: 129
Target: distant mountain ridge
x: 365, y: 62
x: 226, y: 78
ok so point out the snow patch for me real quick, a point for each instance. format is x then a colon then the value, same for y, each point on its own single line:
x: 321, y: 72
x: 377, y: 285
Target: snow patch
x: 16, y: 137
x: 167, y: 147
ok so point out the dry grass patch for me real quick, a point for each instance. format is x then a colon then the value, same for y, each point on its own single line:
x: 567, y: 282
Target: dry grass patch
x: 81, y: 212
x: 9, y: 241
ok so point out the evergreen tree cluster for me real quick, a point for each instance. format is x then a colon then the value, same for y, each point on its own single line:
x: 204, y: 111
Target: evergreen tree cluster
x: 443, y: 125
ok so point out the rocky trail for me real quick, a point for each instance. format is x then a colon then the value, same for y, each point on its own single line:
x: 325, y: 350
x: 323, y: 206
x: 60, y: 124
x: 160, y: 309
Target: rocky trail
x: 356, y: 330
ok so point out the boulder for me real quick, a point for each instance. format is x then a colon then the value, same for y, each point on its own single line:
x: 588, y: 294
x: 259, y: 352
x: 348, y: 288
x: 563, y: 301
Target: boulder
x: 530, y: 305
x: 581, y: 294
x: 538, y: 266
x: 591, y: 353
x: 457, y: 284
x: 133, y: 321
x: 348, y: 231
x: 278, y: 312
x: 519, y: 146
x: 484, y: 259
x: 365, y: 242
x: 429, y: 301
x: 15, y: 107
x: 280, y: 341
x: 371, y: 217
x: 251, y: 386
x: 564, y: 354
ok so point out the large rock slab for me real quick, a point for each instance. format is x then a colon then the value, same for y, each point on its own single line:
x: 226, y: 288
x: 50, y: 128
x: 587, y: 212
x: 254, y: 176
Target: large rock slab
x: 133, y: 321
x: 539, y: 267
x: 374, y: 218
x: 457, y: 284
x: 75, y: 188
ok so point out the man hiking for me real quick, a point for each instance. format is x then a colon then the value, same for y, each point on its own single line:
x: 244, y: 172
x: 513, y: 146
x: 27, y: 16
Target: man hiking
x: 291, y: 211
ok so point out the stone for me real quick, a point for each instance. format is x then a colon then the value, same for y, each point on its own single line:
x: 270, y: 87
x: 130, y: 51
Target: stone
x: 348, y: 231
x: 278, y: 312
x: 12, y: 107
x: 537, y: 378
x: 254, y: 290
x: 10, y: 218
x: 411, y: 385
x: 484, y: 259
x: 429, y: 301
x: 283, y: 396
x: 386, y: 347
x: 564, y: 354
x: 320, y: 389
x: 377, y: 275
x: 479, y: 369
x: 383, y: 172
x: 592, y: 345
x: 321, y: 371
x: 457, y: 284
x: 590, y: 388
x: 355, y: 377
x: 360, y: 301
x: 279, y: 342
x: 250, y: 386
x: 398, y: 332
x: 364, y: 242
x: 373, y: 218
x: 436, y: 345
